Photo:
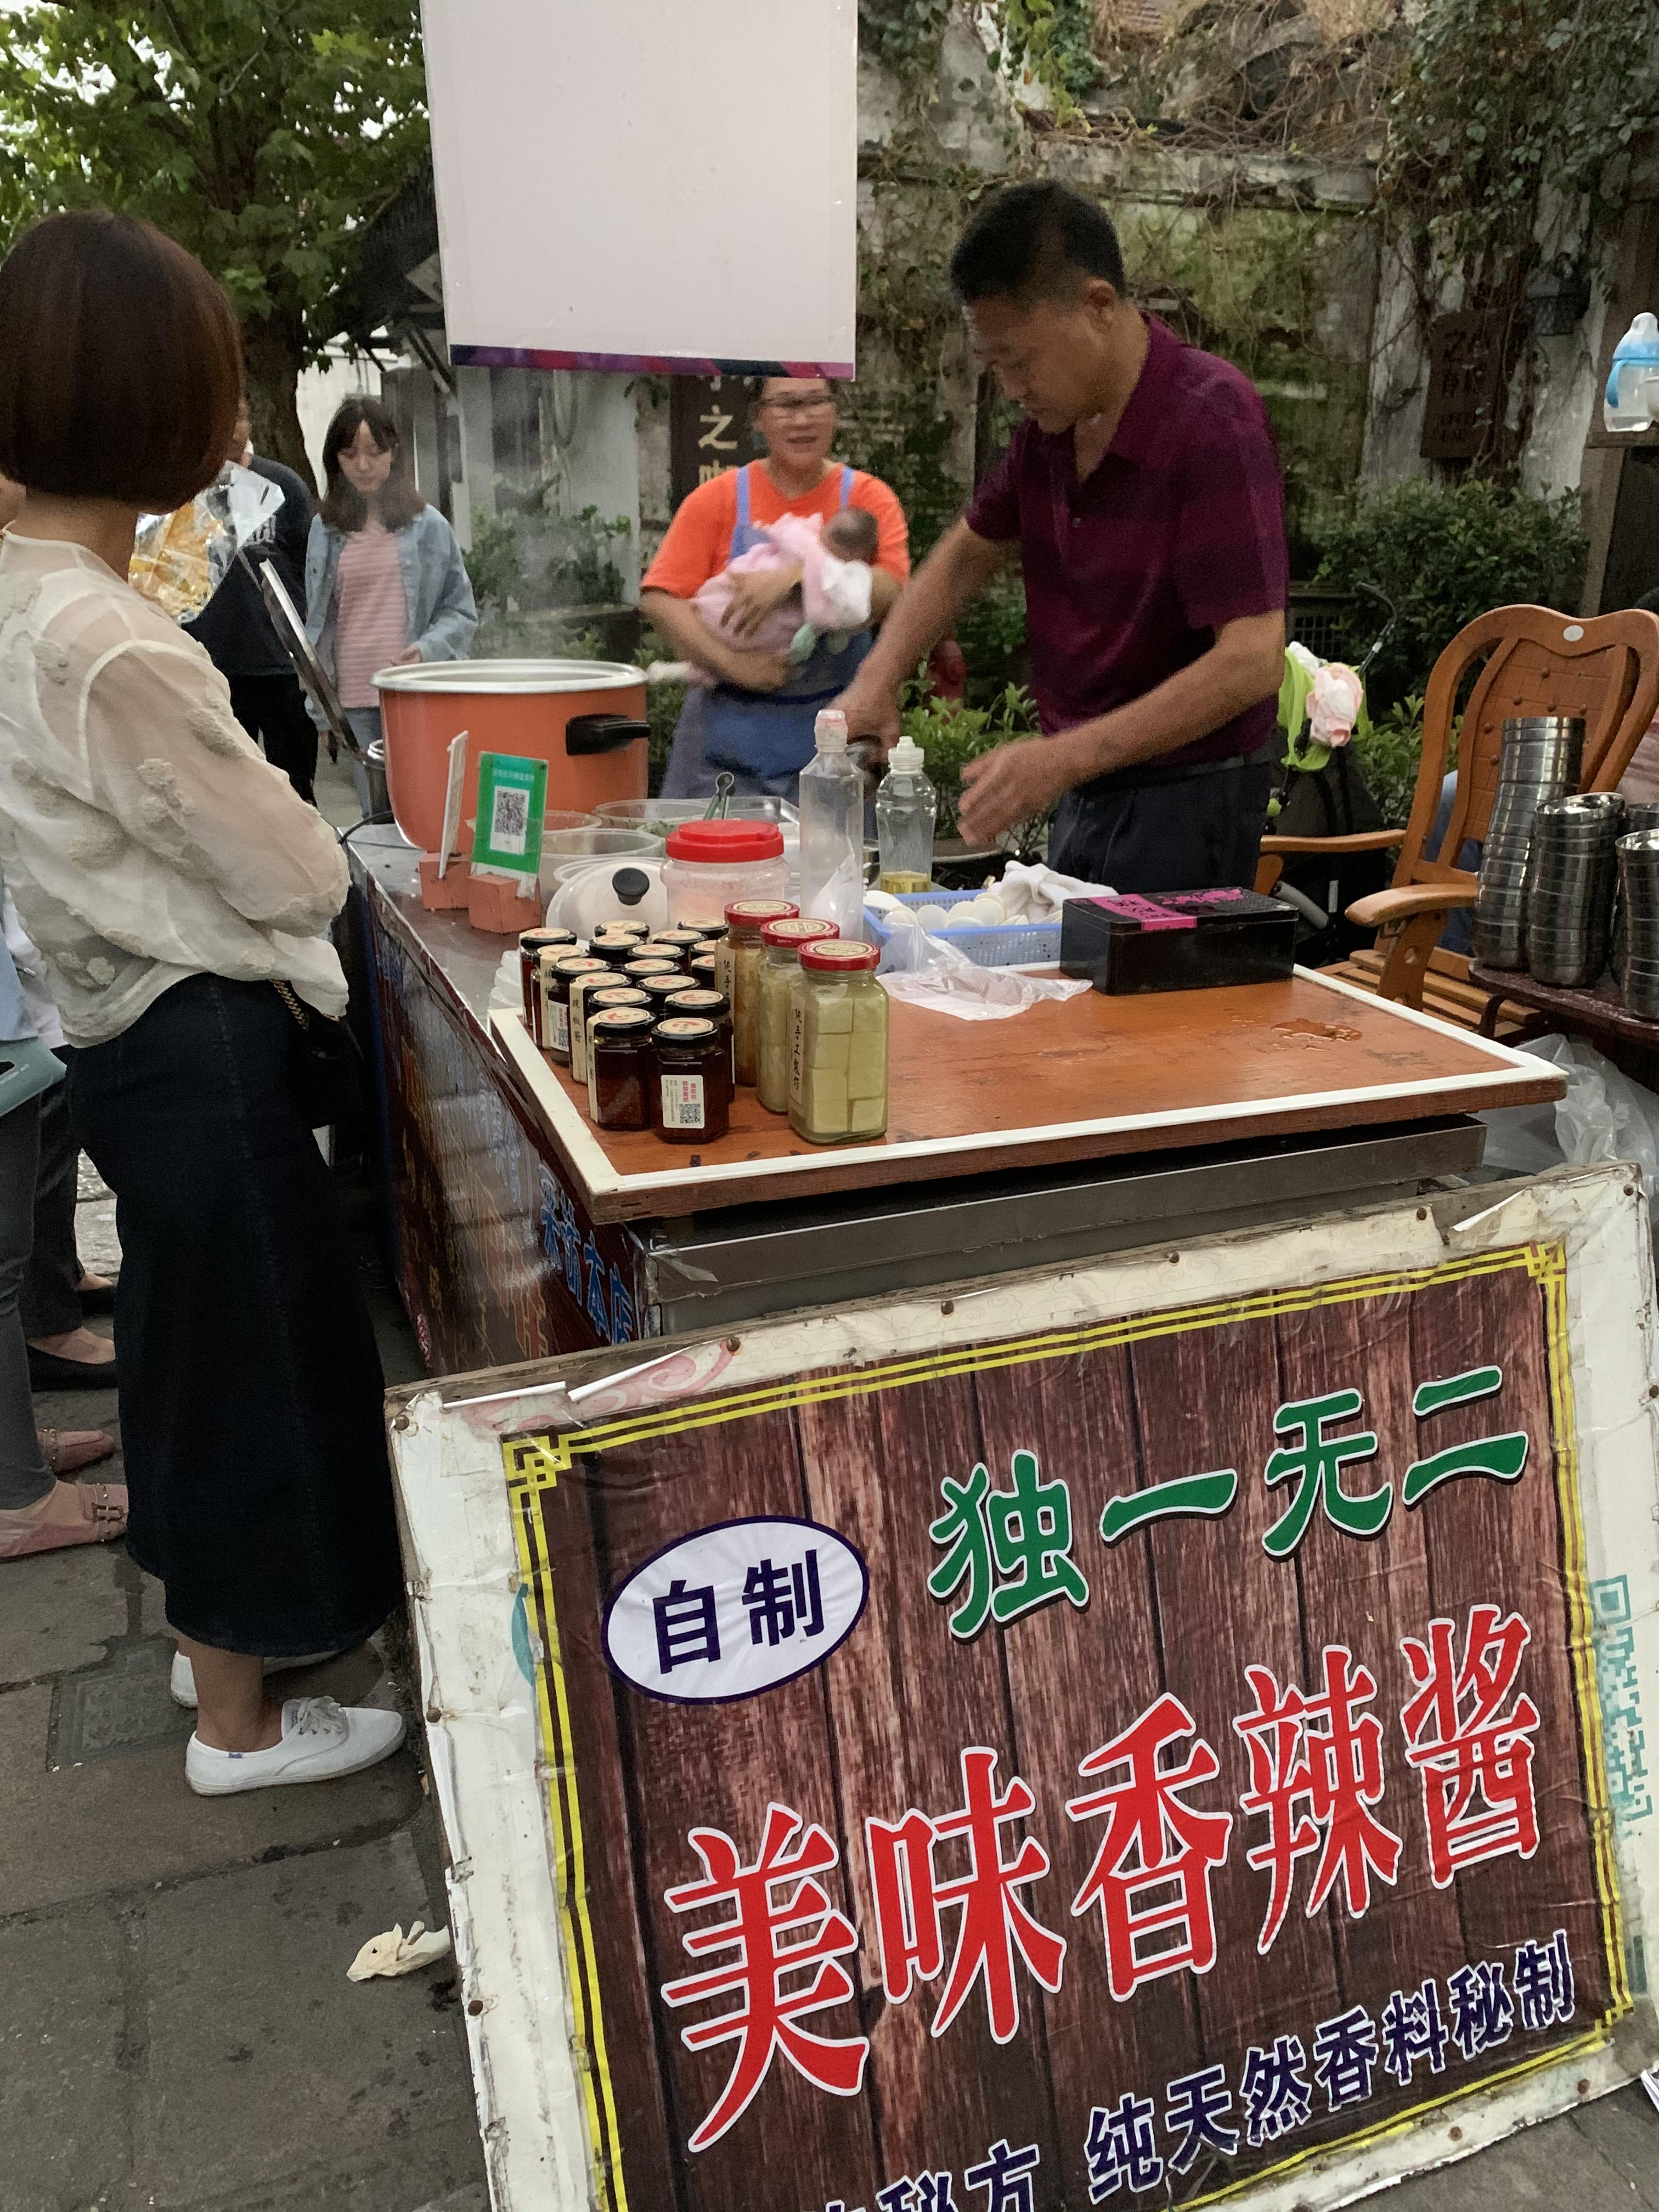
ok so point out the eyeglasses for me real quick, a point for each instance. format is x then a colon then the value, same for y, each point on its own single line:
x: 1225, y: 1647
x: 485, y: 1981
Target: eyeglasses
x: 813, y: 406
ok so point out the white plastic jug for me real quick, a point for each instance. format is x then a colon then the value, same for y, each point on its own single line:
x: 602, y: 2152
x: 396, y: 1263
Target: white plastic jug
x: 1632, y: 400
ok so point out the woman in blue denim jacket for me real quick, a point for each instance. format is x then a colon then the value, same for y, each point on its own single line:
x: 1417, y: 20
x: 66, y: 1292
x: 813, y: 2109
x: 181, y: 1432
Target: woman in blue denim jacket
x: 384, y: 579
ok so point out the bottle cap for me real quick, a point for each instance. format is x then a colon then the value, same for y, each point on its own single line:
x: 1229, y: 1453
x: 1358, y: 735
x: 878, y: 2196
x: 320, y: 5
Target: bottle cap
x: 685, y: 1028
x: 905, y: 759
x: 797, y: 929
x: 830, y: 730
x: 839, y: 956
x: 750, y: 913
x: 621, y: 1021
x: 713, y: 1004
x: 576, y: 963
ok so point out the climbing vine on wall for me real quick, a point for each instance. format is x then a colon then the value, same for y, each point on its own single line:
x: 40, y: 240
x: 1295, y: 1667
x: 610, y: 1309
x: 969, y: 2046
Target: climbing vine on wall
x: 1513, y: 118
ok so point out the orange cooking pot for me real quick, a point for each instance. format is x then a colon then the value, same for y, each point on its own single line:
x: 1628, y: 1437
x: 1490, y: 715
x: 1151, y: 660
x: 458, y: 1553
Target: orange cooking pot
x: 585, y: 719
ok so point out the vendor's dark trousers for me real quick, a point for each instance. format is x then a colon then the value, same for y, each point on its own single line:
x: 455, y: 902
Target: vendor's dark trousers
x: 1186, y: 834
x: 250, y: 1391
x: 24, y: 1478
x: 51, y: 1300
x: 272, y: 710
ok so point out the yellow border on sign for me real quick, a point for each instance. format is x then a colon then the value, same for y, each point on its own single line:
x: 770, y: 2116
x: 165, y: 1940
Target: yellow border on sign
x: 535, y: 1463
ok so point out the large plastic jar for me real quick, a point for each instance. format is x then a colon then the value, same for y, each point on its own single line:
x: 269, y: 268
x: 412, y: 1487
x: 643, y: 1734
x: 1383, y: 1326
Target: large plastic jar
x: 783, y: 941
x: 837, y: 1045
x: 712, y: 864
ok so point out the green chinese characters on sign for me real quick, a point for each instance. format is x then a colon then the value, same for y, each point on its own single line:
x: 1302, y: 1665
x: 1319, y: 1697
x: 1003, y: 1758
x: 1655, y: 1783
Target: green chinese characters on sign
x: 1011, y: 1547
x: 1312, y: 1459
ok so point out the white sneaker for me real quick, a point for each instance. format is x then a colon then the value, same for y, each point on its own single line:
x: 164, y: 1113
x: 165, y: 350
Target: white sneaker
x: 320, y: 1740
x: 183, y: 1684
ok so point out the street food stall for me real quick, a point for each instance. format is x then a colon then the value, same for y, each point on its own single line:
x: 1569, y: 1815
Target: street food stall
x: 1090, y: 1650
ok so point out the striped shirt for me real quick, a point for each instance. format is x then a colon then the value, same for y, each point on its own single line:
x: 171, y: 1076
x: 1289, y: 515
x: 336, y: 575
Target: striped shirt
x: 372, y: 627
x: 1178, y: 530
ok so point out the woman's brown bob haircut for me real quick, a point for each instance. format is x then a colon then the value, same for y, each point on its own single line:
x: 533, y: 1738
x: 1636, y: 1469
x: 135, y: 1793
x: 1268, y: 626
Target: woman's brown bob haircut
x: 120, y: 364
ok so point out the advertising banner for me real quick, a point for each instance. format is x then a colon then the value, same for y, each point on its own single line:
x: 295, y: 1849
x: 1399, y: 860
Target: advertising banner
x: 1115, y: 1763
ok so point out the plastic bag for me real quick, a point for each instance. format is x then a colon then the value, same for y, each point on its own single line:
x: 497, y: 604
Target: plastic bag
x: 925, y: 971
x: 1606, y: 1115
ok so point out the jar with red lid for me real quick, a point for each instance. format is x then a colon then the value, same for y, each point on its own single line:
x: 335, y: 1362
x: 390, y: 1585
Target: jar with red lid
x: 781, y: 943
x: 559, y: 971
x: 532, y: 943
x: 691, y: 1095
x: 838, y: 1044
x: 621, y: 1064
x: 712, y: 1005
x: 736, y: 971
x: 710, y: 864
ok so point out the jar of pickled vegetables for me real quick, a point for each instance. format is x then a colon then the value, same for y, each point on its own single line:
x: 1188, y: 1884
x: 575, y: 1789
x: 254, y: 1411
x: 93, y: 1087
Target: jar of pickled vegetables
x: 736, y: 971
x: 559, y: 971
x: 691, y: 1094
x: 620, y: 1066
x: 838, y: 1044
x: 781, y: 943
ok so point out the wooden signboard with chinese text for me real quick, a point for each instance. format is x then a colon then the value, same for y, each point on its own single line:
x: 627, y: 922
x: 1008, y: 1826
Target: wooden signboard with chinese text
x: 1464, y: 367
x: 1208, y: 1777
x: 708, y: 430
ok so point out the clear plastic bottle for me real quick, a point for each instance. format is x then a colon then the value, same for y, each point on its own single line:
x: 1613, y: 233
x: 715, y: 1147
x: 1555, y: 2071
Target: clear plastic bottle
x: 907, y: 807
x: 1634, y: 380
x: 831, y: 806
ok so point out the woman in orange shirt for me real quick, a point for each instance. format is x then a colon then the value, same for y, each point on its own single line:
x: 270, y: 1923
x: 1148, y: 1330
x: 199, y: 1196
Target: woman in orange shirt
x: 757, y: 722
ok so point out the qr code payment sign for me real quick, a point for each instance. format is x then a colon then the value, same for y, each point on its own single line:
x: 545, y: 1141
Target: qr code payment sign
x: 509, y: 822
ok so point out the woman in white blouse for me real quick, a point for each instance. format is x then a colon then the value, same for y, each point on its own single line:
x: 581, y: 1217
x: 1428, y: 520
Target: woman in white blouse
x: 171, y: 880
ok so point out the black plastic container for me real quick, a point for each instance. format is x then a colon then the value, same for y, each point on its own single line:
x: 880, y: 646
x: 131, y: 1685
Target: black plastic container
x: 1177, y: 941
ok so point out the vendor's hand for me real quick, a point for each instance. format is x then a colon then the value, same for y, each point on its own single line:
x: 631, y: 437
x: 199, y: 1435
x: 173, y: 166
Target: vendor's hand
x: 1009, y: 786
x: 410, y: 653
x: 872, y: 711
x: 756, y: 671
x: 755, y: 595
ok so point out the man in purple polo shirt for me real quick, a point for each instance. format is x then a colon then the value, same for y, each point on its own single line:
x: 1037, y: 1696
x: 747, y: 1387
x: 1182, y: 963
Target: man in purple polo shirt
x: 1143, y: 492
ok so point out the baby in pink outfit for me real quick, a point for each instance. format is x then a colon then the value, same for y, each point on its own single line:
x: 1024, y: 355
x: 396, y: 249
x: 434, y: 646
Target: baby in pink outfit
x: 833, y: 597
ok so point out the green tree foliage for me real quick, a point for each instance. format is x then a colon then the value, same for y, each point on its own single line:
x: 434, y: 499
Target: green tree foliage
x: 1444, y: 554
x: 1508, y: 111
x: 260, y: 133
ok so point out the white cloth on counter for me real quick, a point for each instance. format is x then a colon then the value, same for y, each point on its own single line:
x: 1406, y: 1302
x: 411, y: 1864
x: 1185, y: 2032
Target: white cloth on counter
x: 143, y: 835
x: 928, y: 972
x: 1034, y: 892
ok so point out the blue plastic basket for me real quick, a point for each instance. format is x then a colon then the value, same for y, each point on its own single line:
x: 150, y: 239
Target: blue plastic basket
x: 1013, y: 945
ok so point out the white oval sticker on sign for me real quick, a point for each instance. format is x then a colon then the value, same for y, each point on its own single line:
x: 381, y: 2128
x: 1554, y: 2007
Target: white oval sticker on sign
x: 735, y: 1609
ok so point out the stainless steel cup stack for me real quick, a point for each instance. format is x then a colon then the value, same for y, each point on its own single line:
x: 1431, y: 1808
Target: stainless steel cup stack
x: 1571, y: 869
x: 1640, y: 814
x: 1639, y: 885
x: 1542, y: 759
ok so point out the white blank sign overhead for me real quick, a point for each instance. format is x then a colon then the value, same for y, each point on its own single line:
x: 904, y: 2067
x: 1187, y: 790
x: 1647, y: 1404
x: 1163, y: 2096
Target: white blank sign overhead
x: 666, y: 184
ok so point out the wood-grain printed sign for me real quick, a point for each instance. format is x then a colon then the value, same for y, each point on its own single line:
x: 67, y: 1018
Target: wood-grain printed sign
x: 1113, y: 1767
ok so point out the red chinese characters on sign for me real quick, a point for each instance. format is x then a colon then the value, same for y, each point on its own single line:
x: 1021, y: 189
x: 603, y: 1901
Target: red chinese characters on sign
x: 1475, y: 1766
x: 1155, y: 1844
x: 994, y: 1924
x: 766, y: 2018
x: 1315, y: 1773
x: 1316, y: 1779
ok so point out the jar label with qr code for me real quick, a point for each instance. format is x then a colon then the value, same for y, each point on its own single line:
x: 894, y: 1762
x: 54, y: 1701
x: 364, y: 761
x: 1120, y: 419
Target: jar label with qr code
x: 682, y: 1102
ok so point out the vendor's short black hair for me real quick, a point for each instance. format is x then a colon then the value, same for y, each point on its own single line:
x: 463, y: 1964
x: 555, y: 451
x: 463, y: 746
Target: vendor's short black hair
x: 120, y: 363
x: 1038, y: 241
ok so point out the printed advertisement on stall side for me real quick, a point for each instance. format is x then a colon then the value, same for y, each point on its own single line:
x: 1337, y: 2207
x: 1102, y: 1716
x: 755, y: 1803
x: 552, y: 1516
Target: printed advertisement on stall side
x: 1106, y: 1768
x: 498, y: 1260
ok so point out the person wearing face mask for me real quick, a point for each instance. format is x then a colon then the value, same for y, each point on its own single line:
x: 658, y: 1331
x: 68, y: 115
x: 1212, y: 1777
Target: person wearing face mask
x: 755, y: 719
x: 384, y: 580
x: 1144, y: 496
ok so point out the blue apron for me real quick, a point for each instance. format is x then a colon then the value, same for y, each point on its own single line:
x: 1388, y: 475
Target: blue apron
x: 763, y: 739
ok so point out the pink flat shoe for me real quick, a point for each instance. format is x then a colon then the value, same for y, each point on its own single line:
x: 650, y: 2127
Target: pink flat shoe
x: 69, y: 1513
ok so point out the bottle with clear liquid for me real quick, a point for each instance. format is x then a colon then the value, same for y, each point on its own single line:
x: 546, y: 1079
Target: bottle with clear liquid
x: 907, y: 807
x: 831, y: 806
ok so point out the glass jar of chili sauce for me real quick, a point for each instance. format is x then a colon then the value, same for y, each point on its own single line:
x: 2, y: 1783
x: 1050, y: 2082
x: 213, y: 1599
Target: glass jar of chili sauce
x: 691, y: 1090
x: 532, y: 943
x: 621, y: 1063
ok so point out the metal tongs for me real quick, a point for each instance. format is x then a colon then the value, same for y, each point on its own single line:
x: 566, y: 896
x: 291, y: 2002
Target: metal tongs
x: 720, y: 805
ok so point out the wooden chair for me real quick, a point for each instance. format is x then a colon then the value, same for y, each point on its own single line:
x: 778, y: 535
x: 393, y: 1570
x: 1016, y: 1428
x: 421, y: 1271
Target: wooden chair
x: 1537, y: 662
